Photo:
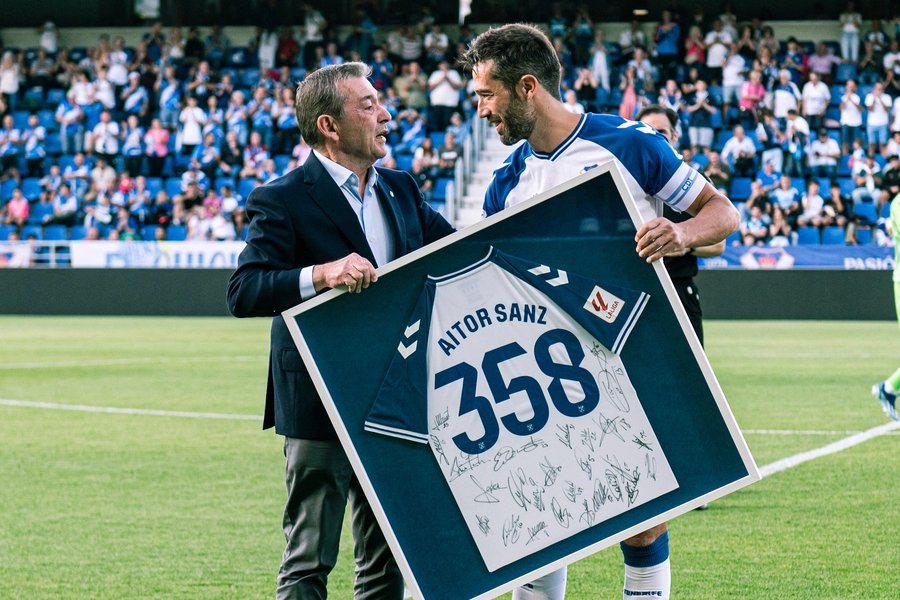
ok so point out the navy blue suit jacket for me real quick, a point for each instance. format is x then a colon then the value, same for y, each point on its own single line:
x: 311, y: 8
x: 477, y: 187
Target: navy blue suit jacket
x: 304, y: 219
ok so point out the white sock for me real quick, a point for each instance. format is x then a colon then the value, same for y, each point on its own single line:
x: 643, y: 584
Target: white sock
x: 647, y: 570
x: 551, y: 586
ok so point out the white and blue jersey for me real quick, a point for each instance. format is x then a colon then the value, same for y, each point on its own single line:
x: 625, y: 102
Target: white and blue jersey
x: 510, y: 357
x: 652, y: 168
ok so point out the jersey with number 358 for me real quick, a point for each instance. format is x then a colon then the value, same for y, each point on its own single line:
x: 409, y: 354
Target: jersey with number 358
x: 502, y: 328
x: 510, y: 357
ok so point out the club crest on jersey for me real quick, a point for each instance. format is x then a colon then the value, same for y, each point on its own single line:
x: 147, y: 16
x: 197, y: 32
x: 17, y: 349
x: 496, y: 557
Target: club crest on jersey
x: 604, y: 304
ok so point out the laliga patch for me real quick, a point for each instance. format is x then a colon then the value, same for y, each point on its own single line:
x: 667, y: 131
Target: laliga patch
x: 604, y: 304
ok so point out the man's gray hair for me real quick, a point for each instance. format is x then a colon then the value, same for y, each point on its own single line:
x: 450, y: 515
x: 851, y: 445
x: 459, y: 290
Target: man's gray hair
x: 318, y: 94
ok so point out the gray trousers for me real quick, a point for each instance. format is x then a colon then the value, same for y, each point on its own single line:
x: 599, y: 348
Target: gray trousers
x: 320, y: 481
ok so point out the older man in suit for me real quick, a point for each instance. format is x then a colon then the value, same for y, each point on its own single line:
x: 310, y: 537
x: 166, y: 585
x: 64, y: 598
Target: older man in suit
x: 327, y: 224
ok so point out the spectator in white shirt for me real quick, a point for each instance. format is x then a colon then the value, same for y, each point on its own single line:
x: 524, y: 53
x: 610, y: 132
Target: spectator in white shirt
x: 572, y: 104
x: 717, y: 43
x: 444, y: 85
x: 734, y: 72
x: 192, y: 119
x: 851, y: 116
x: 815, y: 97
x: 105, y: 138
x: 878, y: 105
x: 740, y: 152
x: 823, y: 156
x: 891, y: 62
x: 796, y: 137
x: 785, y: 96
x: 893, y: 145
x: 813, y: 205
x: 851, y: 23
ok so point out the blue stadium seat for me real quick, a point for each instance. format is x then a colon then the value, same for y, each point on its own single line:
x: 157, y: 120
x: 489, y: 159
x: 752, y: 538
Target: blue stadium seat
x: 20, y: 119
x: 65, y: 160
x: 33, y: 97
x: 31, y: 188
x: 77, y: 53
x: 5, y: 230
x: 35, y: 230
x: 40, y: 212
x: 154, y: 184
x: 53, y: 144
x: 722, y: 136
x: 833, y: 46
x: 176, y: 233
x: 47, y: 119
x: 864, y: 236
x: 54, y: 98
x: 836, y: 92
x: 173, y: 186
x: 245, y: 186
x: 55, y: 232
x: 6, y: 189
x: 281, y: 161
x: 148, y: 232
x: 865, y: 213
x: 223, y: 181
x: 233, y: 73
x: 808, y: 236
x: 437, y: 138
x: 701, y: 159
x: 244, y: 231
x: 845, y: 72
x: 886, y: 210
x: 240, y: 57
x: 298, y: 74
x: 833, y: 235
x: 404, y: 161
x: 844, y: 166
x: 799, y: 183
x: 250, y: 78
x: 740, y: 188
x: 440, y: 189
x: 77, y: 232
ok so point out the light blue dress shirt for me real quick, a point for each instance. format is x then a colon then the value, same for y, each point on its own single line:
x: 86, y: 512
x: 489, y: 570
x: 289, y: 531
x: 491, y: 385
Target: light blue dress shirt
x: 367, y: 209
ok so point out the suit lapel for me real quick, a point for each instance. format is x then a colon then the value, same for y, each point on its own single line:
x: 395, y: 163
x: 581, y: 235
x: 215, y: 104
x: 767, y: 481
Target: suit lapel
x: 388, y: 201
x: 328, y: 196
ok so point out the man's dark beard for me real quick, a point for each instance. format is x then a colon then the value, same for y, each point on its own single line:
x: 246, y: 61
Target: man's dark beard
x: 518, y: 122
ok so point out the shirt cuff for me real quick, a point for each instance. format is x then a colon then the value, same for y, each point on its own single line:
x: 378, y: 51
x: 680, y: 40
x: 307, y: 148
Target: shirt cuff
x: 307, y: 288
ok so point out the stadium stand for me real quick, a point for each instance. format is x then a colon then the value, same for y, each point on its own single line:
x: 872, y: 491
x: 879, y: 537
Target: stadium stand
x: 133, y: 84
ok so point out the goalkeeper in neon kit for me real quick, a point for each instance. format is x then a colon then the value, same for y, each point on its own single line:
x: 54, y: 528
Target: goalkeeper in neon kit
x: 886, y: 391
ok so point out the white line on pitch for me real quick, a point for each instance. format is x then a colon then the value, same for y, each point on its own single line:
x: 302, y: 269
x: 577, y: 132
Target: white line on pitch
x: 838, y: 446
x: 797, y: 432
x: 101, y: 362
x: 128, y: 411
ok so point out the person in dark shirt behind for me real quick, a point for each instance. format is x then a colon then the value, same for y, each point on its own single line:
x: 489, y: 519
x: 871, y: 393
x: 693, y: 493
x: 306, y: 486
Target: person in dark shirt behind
x: 682, y: 269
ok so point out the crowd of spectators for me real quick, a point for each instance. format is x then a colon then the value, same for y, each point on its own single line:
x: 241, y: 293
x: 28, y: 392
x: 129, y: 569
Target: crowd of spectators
x: 167, y: 139
x: 174, y: 132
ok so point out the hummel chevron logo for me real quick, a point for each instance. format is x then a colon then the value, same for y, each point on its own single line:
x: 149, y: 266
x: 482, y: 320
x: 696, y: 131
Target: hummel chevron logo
x: 543, y: 270
x: 407, y: 351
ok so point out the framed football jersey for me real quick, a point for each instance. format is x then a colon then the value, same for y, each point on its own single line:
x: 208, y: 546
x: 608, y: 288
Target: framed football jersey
x: 523, y: 393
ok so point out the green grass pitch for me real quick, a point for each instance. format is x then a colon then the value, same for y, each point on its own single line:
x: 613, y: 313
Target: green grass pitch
x: 110, y: 506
